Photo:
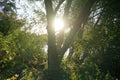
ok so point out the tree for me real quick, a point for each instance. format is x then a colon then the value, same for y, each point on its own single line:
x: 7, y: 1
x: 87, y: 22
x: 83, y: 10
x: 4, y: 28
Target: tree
x: 88, y: 10
x: 55, y: 55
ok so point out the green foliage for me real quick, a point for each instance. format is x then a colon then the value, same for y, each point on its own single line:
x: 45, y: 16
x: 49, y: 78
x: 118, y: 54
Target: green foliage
x: 19, y: 50
x: 9, y: 24
x: 24, y: 51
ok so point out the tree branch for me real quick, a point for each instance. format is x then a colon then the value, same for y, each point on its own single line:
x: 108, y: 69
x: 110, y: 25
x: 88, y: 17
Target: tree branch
x: 95, y: 15
x: 97, y: 20
x: 58, y: 6
x: 82, y: 17
x: 67, y: 7
x: 61, y: 34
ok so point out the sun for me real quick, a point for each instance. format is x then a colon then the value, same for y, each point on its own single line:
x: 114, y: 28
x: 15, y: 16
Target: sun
x: 58, y: 24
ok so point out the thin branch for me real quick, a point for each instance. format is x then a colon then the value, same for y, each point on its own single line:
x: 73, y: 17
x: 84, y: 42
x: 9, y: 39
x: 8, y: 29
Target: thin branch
x: 71, y: 51
x: 95, y: 15
x: 58, y: 6
x: 98, y: 19
x: 67, y: 7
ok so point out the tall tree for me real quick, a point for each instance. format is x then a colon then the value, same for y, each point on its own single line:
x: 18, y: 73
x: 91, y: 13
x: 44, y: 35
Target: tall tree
x: 55, y: 55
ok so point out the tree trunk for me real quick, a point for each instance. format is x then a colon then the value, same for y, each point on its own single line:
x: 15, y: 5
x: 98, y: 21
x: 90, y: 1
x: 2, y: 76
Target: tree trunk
x: 53, y: 71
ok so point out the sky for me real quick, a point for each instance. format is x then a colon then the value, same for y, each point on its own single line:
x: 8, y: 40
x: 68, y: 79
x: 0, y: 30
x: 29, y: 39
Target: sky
x: 25, y: 10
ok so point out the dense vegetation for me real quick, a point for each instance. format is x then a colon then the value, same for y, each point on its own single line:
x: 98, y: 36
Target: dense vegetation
x: 93, y: 42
